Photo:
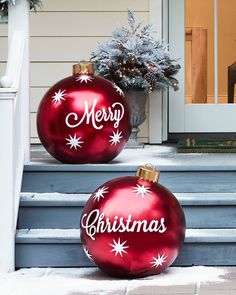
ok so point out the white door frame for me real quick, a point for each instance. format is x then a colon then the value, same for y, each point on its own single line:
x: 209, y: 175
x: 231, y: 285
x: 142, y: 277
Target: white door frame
x: 194, y: 118
x: 177, y: 98
x: 158, y: 120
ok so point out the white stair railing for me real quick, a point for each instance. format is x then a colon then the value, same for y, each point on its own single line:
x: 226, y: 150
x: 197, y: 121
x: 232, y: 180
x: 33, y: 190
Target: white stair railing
x: 14, y: 129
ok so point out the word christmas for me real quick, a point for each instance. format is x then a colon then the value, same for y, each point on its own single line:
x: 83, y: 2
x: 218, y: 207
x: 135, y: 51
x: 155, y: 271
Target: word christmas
x: 115, y: 113
x: 95, y: 222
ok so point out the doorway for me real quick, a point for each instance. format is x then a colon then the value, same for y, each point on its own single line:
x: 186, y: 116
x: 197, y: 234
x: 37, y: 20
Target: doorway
x: 202, y: 35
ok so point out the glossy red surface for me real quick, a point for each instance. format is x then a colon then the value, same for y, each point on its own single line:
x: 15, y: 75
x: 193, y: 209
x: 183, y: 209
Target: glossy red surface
x: 132, y: 227
x: 84, y: 119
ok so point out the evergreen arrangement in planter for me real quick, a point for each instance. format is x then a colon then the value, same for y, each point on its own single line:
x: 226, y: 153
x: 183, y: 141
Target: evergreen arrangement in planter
x: 139, y: 64
x: 133, y: 58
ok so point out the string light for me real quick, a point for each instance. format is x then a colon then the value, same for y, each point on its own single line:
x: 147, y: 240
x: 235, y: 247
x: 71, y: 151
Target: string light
x: 145, y: 64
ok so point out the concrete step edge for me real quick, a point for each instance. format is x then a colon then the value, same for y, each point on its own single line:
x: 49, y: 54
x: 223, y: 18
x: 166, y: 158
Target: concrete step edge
x: 67, y: 200
x: 71, y: 236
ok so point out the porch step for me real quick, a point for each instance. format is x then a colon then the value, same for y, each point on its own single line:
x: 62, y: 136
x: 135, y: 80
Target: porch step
x: 62, y: 248
x: 71, y: 179
x: 49, y: 217
x: 54, y: 210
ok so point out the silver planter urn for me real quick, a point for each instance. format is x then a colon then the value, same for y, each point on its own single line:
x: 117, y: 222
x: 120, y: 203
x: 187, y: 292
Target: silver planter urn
x: 137, y: 99
x: 3, y: 19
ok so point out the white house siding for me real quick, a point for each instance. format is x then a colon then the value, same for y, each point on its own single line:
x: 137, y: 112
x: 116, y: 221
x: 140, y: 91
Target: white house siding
x: 63, y: 33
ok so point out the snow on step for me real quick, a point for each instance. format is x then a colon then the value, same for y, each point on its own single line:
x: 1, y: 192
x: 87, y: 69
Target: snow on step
x: 92, y: 281
x: 215, y: 199
x: 55, y: 199
x: 210, y: 236
x: 164, y: 157
x: 41, y: 199
x: 48, y: 235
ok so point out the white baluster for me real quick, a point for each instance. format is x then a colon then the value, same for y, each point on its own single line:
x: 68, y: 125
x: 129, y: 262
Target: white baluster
x: 18, y: 19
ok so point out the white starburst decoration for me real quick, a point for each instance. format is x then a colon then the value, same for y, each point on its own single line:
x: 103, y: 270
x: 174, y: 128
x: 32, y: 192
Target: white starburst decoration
x: 74, y: 142
x: 117, y: 88
x: 141, y: 191
x: 100, y: 193
x: 59, y: 96
x: 84, y: 78
x: 88, y: 254
x: 116, y: 137
x: 159, y: 260
x: 118, y: 247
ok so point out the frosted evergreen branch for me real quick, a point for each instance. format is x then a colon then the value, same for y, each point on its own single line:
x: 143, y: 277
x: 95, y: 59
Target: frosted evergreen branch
x: 133, y: 58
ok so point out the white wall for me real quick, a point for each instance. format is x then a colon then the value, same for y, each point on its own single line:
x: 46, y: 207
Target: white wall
x: 65, y: 32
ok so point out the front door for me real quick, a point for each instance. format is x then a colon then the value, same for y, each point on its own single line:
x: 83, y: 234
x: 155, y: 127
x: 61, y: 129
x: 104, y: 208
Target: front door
x: 202, y: 35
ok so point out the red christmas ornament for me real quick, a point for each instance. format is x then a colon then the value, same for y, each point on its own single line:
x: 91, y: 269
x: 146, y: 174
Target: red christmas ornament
x: 133, y: 226
x: 84, y: 118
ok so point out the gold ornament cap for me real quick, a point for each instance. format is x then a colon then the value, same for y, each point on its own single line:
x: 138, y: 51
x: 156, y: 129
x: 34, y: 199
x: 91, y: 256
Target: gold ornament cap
x: 148, y: 172
x: 83, y: 67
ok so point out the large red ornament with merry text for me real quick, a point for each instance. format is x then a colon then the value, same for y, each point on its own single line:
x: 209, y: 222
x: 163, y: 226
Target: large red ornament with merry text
x: 84, y: 118
x: 133, y: 226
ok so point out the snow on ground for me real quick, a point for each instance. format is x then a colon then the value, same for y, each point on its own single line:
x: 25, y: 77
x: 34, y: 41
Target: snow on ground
x: 92, y: 281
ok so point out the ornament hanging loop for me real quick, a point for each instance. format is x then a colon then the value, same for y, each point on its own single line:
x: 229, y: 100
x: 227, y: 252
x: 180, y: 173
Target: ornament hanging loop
x: 148, y: 172
x: 83, y: 67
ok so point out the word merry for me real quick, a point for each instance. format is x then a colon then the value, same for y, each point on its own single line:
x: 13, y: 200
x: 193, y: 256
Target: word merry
x: 95, y: 222
x: 115, y: 113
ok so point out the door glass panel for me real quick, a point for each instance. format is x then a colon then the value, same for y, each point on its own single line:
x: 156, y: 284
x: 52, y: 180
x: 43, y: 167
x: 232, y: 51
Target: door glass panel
x: 199, y: 51
x: 227, y: 50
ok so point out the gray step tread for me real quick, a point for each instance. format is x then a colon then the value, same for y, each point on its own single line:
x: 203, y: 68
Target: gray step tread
x: 71, y: 236
x: 49, y: 167
x: 164, y: 157
x: 57, y: 199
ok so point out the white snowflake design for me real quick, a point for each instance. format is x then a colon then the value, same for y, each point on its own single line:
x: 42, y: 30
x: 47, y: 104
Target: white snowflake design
x: 88, y: 254
x: 74, y: 142
x: 84, y: 78
x: 118, y: 247
x: 159, y: 260
x: 141, y: 191
x: 117, y: 88
x: 100, y: 193
x: 59, y: 96
x: 116, y: 137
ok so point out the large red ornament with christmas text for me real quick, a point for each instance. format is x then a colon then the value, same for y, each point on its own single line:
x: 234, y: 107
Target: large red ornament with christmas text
x: 84, y: 118
x: 133, y: 226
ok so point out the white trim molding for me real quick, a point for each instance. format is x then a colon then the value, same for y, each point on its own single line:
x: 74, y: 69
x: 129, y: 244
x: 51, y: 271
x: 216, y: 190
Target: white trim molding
x: 155, y: 98
x: 158, y: 101
x: 216, y: 56
x: 177, y: 48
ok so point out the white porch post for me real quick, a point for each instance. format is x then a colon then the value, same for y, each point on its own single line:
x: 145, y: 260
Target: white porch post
x: 18, y: 19
x: 7, y: 224
x: 14, y: 132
